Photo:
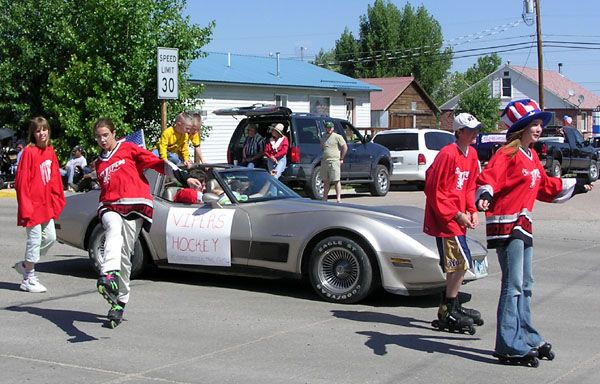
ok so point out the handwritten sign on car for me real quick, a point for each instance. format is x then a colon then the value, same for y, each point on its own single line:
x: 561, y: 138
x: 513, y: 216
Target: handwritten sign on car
x: 199, y: 236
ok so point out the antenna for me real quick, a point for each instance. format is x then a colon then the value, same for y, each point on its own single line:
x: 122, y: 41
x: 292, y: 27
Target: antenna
x: 571, y: 92
x: 580, y: 99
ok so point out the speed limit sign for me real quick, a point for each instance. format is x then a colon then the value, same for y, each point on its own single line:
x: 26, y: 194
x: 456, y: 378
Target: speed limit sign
x: 168, y: 70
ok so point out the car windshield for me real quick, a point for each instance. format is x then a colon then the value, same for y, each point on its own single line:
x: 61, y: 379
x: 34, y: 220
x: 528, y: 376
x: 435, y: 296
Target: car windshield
x: 252, y: 185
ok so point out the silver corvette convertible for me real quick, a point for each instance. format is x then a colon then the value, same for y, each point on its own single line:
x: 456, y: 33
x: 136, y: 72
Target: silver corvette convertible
x: 247, y: 222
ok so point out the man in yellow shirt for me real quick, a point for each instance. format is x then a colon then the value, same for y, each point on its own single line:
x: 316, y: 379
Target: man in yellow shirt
x: 173, y: 142
x: 195, y: 134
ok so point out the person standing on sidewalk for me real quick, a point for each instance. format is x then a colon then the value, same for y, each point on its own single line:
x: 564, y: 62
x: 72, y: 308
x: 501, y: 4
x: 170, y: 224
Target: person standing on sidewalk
x: 125, y: 205
x: 507, y: 190
x: 449, y: 211
x: 40, y: 198
x: 334, y: 150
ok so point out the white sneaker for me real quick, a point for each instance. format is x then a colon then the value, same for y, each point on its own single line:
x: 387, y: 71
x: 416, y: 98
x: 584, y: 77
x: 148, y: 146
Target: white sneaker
x: 32, y: 285
x: 20, y: 268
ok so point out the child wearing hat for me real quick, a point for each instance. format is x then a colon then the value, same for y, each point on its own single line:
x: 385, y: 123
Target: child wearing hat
x: 507, y: 190
x: 449, y: 212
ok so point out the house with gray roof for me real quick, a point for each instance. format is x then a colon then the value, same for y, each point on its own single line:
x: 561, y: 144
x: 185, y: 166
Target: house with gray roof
x: 240, y: 80
x: 561, y: 95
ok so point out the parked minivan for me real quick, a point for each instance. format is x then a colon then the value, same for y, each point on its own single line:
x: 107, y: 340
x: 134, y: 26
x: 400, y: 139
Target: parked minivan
x: 413, y: 151
x: 365, y: 162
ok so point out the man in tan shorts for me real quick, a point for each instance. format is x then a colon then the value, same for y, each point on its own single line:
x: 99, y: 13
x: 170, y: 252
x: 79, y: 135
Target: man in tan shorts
x: 334, y: 149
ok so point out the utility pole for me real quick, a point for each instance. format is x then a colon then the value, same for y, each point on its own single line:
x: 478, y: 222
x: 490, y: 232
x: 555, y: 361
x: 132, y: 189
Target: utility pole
x: 538, y: 22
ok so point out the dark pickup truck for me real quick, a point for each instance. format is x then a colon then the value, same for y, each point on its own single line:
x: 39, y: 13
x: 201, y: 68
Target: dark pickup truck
x: 568, y: 153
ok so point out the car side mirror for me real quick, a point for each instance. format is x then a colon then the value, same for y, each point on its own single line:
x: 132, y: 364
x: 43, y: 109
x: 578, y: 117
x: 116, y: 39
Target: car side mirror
x: 211, y: 199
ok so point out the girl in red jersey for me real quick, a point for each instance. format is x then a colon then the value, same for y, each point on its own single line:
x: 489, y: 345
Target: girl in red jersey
x: 276, y: 151
x: 41, y: 200
x: 507, y: 189
x: 125, y: 205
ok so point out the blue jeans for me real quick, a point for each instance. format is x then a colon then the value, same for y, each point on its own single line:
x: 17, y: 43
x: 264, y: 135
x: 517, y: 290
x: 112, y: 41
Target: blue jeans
x: 172, y: 157
x: 278, y: 168
x: 515, y: 334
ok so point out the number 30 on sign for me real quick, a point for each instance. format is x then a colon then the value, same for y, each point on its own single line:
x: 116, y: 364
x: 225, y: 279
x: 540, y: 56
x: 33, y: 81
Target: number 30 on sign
x: 168, y: 73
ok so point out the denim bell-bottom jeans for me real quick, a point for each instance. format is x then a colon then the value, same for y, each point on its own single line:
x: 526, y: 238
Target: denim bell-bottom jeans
x: 515, y: 334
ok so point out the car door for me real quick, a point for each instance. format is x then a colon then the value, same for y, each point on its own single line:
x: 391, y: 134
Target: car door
x: 199, y: 234
x: 359, y: 157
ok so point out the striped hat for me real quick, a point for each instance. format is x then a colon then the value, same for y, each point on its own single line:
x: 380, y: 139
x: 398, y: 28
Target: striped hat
x: 519, y: 113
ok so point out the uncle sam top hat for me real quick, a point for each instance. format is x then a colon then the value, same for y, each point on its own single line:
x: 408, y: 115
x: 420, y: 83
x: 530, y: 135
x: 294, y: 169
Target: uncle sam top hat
x: 519, y: 113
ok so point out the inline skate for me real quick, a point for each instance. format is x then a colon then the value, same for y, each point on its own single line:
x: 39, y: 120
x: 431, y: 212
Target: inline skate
x: 451, y: 318
x: 529, y: 359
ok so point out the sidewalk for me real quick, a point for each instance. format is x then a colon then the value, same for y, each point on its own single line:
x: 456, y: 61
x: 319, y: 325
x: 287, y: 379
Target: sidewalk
x: 7, y: 193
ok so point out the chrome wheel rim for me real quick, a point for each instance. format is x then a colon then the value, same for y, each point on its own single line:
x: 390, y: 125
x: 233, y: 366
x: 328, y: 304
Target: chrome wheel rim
x: 339, y: 270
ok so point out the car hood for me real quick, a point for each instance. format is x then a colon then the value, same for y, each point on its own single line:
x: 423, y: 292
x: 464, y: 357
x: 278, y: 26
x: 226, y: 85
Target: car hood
x: 404, y: 217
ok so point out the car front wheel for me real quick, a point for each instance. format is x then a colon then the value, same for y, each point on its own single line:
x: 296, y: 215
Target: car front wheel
x: 340, y: 271
x: 96, y: 253
x: 381, y: 181
x: 593, y: 172
x: 555, y: 169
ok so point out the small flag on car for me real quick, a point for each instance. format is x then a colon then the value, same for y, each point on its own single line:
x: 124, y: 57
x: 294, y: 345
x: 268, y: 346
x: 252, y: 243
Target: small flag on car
x: 137, y: 138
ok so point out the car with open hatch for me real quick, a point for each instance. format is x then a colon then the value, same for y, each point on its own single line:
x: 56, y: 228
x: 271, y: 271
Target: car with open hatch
x: 366, y: 163
x: 248, y: 222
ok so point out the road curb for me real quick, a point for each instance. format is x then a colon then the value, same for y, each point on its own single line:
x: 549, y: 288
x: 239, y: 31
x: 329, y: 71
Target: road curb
x: 7, y: 193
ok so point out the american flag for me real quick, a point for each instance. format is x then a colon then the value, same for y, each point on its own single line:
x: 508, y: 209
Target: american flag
x: 137, y: 137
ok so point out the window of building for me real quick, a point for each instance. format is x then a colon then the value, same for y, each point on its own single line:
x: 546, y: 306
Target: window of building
x: 281, y: 100
x: 506, y: 87
x: 584, y: 125
x: 319, y: 105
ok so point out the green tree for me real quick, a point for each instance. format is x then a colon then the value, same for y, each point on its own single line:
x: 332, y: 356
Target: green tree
x: 479, y: 102
x: 74, y: 61
x: 484, y: 66
x: 395, y: 43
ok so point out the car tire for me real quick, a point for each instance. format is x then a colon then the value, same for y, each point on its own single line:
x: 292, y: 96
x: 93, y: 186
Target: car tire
x: 555, y: 169
x: 381, y: 181
x: 593, y: 172
x: 340, y: 270
x: 315, y: 188
x: 96, y: 253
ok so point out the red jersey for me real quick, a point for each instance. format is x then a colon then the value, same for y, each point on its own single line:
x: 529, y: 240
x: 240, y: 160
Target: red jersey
x: 280, y: 152
x: 515, y: 183
x: 39, y: 186
x: 123, y: 186
x: 450, y: 188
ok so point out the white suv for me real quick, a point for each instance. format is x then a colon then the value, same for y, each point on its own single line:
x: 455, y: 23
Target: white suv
x: 413, y: 150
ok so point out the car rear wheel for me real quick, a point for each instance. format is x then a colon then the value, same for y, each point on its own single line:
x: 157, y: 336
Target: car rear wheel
x: 314, y: 188
x: 340, y: 271
x: 96, y: 253
x: 381, y: 181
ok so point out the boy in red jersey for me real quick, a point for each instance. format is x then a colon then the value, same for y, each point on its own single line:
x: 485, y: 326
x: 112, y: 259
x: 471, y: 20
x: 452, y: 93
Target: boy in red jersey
x: 507, y: 190
x: 125, y: 204
x: 449, y: 211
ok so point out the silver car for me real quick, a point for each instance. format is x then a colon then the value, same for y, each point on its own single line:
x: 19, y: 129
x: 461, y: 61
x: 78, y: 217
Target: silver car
x: 249, y: 222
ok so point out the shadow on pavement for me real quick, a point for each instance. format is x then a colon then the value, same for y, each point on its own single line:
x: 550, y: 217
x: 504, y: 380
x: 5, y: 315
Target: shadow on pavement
x: 69, y: 266
x: 378, y: 341
x: 65, y: 320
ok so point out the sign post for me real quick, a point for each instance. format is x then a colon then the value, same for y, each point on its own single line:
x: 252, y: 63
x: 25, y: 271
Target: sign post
x: 167, y: 77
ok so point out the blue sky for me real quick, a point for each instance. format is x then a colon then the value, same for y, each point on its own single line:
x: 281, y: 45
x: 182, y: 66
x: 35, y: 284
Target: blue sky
x: 260, y: 27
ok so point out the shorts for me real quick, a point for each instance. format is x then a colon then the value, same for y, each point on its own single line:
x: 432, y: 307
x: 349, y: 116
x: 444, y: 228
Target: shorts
x: 330, y: 170
x: 454, y: 253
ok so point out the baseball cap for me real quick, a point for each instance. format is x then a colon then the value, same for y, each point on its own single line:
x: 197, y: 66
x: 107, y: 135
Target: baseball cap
x: 328, y: 124
x: 465, y: 120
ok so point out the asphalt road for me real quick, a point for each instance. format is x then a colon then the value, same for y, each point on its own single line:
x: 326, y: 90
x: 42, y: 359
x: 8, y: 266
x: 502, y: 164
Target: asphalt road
x: 198, y: 328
